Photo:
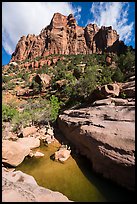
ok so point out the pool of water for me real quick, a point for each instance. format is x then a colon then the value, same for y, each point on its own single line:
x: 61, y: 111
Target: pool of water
x: 74, y: 178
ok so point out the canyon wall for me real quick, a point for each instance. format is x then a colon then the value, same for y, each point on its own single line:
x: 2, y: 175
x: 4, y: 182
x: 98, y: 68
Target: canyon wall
x: 64, y: 36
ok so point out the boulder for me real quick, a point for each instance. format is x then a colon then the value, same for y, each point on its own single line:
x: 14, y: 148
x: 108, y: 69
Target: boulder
x: 62, y: 154
x: 105, y: 134
x: 48, y: 139
x: 20, y: 187
x: 114, y: 101
x: 50, y: 131
x: 29, y: 142
x: 18, y: 176
x: 14, y: 153
x: 108, y: 60
x: 105, y: 91
x: 43, y: 79
x: 110, y: 89
x: 38, y: 154
x: 28, y: 131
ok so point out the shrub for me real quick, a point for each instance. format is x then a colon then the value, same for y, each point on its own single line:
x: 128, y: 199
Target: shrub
x: 37, y: 88
x: 87, y: 82
x: 8, y: 113
x: 38, y: 58
x: 105, y: 77
x: 33, y: 113
x: 5, y: 79
x: 43, y: 70
x: 123, y: 95
x: 70, y: 66
x: 22, y: 119
x: 41, y: 116
x: 9, y: 86
x: 55, y: 107
x: 68, y: 89
x: 77, y: 59
x: 25, y: 76
x: 77, y: 72
x: 59, y: 73
x: 19, y: 75
x: 118, y: 76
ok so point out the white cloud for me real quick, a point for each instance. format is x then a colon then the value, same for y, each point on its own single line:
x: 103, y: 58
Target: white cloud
x: 77, y: 13
x: 23, y: 18
x: 113, y: 14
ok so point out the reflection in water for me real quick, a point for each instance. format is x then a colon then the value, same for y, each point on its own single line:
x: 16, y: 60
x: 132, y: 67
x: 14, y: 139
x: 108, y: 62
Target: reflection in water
x: 74, y: 178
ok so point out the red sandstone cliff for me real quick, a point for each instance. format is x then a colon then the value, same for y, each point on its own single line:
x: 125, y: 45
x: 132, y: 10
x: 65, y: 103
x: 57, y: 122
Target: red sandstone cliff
x: 64, y: 36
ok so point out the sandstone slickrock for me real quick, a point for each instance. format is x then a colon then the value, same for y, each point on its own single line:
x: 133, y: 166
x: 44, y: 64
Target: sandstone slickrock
x: 64, y: 36
x: 20, y: 187
x: 13, y: 153
x: 105, y: 133
x: 29, y: 142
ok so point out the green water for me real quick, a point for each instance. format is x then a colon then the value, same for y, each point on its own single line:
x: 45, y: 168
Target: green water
x: 74, y: 178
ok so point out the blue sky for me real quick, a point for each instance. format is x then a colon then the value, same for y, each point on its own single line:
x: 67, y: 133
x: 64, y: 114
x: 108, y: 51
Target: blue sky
x: 22, y: 18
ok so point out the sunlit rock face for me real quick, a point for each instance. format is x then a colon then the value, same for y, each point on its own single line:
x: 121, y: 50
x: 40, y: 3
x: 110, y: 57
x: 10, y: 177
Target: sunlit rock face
x: 64, y: 36
x: 104, y: 132
x: 20, y: 187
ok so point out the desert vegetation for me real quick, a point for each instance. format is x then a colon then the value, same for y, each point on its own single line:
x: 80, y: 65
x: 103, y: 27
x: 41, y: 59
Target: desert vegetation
x: 72, y: 81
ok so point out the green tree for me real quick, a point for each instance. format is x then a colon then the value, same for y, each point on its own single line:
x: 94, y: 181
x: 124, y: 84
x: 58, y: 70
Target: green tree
x: 118, y: 75
x: 87, y: 82
x: 105, y: 76
x: 55, y: 107
x: 126, y: 63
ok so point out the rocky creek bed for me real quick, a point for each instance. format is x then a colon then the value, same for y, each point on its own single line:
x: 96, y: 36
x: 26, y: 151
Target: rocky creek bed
x: 101, y: 137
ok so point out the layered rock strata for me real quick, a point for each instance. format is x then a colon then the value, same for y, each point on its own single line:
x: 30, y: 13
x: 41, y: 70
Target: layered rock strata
x: 64, y: 36
x: 105, y: 133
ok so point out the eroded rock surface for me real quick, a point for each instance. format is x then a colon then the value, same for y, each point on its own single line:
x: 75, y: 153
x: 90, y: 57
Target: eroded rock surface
x: 64, y: 36
x: 13, y: 153
x: 62, y: 154
x: 105, y: 133
x: 29, y: 142
x: 20, y: 187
